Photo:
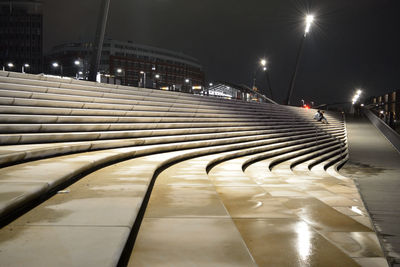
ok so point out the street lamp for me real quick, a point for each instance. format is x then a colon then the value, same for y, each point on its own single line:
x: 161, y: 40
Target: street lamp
x: 263, y: 65
x: 144, y: 78
x: 56, y: 65
x: 24, y: 66
x: 157, y: 78
x: 309, y: 20
x: 10, y: 65
x: 356, y: 96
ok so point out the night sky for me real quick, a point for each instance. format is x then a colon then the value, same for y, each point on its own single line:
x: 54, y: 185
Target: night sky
x: 353, y: 44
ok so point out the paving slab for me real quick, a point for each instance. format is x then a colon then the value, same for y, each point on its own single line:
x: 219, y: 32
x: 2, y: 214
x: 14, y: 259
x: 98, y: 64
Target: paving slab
x: 375, y: 165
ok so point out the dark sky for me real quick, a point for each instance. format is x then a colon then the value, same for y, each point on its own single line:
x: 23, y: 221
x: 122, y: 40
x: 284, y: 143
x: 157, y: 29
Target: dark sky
x: 354, y: 43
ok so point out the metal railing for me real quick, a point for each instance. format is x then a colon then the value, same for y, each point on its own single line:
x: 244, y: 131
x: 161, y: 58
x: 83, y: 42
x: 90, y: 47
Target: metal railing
x: 388, y: 132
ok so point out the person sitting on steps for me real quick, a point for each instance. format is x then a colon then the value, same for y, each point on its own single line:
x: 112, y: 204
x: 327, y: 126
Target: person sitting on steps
x: 323, y: 118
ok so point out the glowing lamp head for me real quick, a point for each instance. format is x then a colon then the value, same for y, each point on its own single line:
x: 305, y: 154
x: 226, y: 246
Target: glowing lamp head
x: 309, y: 21
x: 55, y: 64
x: 157, y: 76
x: 119, y: 70
x: 10, y: 65
x: 263, y: 62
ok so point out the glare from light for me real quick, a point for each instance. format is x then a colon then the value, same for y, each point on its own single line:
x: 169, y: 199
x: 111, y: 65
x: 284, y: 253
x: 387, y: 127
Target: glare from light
x: 303, y: 240
x: 55, y: 64
x: 80, y: 73
x: 381, y: 112
x: 10, y: 65
x: 263, y: 62
x: 264, y: 68
x: 362, y: 105
x: 26, y: 65
x: 309, y: 21
x: 157, y: 76
x: 77, y: 62
x: 186, y: 80
x: 119, y: 70
x: 141, y: 72
x: 356, y: 210
x: 210, y: 84
x: 359, y: 92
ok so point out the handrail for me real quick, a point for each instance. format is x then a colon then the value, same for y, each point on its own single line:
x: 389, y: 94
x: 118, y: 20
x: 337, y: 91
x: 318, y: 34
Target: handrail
x: 389, y: 133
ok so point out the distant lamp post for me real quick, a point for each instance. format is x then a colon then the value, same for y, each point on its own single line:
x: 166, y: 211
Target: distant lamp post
x: 25, y: 66
x: 157, y: 78
x: 144, y: 78
x: 309, y: 20
x: 356, y: 96
x: 264, y: 68
x: 10, y: 65
x: 77, y: 64
x: 56, y: 66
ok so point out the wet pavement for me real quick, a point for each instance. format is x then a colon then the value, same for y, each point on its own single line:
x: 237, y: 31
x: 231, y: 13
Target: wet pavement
x: 231, y: 217
x: 375, y: 165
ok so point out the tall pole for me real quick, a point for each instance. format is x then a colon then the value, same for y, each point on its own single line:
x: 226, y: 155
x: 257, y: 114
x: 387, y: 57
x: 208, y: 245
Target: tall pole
x: 269, y: 84
x: 98, y: 43
x: 291, y: 86
x: 308, y: 21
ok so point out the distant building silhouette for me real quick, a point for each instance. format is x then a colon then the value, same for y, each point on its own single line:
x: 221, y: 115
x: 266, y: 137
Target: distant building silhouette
x: 131, y: 64
x: 21, y: 35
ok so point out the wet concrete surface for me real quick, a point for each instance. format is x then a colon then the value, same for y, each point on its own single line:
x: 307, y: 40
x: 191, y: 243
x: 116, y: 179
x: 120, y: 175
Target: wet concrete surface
x: 375, y: 165
x: 231, y: 217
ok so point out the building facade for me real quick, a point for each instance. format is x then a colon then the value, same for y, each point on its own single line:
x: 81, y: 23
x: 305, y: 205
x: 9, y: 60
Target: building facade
x: 132, y: 64
x: 21, y: 35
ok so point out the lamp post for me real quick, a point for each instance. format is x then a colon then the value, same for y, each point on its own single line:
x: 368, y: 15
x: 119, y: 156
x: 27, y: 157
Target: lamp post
x: 263, y: 63
x: 157, y: 78
x: 144, y: 78
x: 24, y: 66
x: 309, y: 21
x: 10, y: 65
x: 77, y: 63
x: 99, y: 39
x: 56, y: 65
x: 187, y: 84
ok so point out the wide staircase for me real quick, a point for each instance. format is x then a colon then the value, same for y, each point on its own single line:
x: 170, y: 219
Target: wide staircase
x: 105, y: 175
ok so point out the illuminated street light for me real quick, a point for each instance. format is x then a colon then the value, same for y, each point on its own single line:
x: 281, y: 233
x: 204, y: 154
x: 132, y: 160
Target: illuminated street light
x: 187, y: 80
x: 309, y: 19
x: 157, y: 76
x: 356, y: 96
x: 119, y: 70
x: 10, y: 65
x: 144, y: 78
x: 26, y: 65
x: 263, y: 64
x: 77, y: 62
x: 56, y: 65
x: 210, y: 84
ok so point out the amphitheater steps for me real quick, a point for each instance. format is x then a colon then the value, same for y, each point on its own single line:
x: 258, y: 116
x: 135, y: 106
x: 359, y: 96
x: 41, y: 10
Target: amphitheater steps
x: 95, y: 151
